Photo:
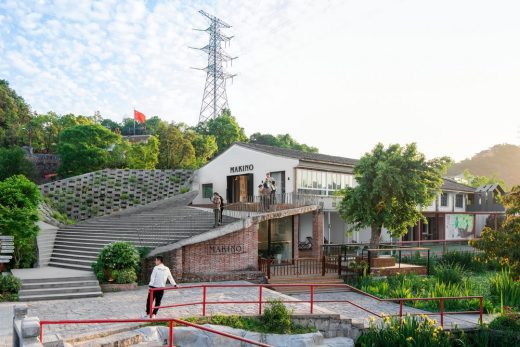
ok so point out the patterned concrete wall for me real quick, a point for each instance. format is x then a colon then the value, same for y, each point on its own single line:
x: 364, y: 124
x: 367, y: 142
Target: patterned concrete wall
x: 107, y: 191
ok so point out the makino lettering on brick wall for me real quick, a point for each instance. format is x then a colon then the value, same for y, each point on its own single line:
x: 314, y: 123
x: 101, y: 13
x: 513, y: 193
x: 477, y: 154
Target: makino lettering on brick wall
x: 226, y: 249
x: 242, y: 168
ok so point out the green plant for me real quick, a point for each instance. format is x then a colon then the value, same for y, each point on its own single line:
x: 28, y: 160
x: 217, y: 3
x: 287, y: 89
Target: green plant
x: 277, y: 317
x: 9, y: 287
x: 115, y: 256
x: 132, y: 179
x: 175, y: 179
x: 449, y: 273
x: 124, y: 196
x: 124, y: 276
x: 184, y: 189
x: 410, y: 331
x: 505, y: 330
x: 504, y: 288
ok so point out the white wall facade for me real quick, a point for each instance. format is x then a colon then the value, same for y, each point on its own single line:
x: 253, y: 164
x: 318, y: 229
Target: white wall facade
x: 217, y: 170
x: 436, y: 204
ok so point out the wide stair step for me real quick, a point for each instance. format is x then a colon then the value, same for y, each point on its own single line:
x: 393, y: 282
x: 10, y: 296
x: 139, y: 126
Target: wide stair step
x: 322, y: 280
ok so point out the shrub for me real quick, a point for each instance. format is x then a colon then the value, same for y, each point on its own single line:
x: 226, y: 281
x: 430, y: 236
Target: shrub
x: 411, y: 331
x: 175, y: 179
x: 277, y: 317
x: 124, y: 276
x: 184, y: 190
x: 449, y: 273
x: 505, y: 289
x: 115, y: 256
x: 9, y: 287
x: 505, y: 330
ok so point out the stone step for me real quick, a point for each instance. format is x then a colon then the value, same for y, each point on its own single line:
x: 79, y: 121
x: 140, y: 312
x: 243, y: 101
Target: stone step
x: 66, y: 265
x: 58, y: 284
x: 72, y: 260
x: 97, y: 234
x: 85, y: 278
x: 64, y: 290
x: 74, y: 255
x: 61, y: 296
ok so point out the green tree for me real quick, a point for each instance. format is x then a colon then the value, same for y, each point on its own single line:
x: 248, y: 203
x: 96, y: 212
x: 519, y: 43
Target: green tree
x: 19, y: 199
x: 143, y: 155
x: 205, y: 146
x: 110, y: 124
x: 393, y: 185
x: 225, y: 129
x: 503, y: 244
x: 175, y: 148
x: 85, y: 148
x: 14, y: 114
x: 477, y: 181
x: 283, y: 141
x: 13, y: 161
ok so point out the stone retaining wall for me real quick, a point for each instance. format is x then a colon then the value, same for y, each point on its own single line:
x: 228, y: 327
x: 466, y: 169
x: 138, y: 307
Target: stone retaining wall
x: 107, y: 191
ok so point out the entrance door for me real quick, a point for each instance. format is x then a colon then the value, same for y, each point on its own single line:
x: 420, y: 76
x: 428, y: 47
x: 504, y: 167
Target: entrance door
x: 279, y: 178
x: 239, y: 188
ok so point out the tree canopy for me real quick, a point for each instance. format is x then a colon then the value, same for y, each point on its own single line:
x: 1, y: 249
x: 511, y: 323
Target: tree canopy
x: 477, y: 181
x: 13, y: 161
x: 393, y: 185
x: 14, y: 116
x: 19, y: 200
x: 85, y: 148
x: 283, y: 141
x: 504, y: 242
x: 225, y: 129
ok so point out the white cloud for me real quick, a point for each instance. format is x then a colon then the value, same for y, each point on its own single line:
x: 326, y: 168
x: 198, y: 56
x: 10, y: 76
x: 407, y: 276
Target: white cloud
x: 339, y: 75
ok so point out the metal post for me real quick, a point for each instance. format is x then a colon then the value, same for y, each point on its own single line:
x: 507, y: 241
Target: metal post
x: 171, y: 334
x: 339, y: 265
x: 481, y: 309
x: 151, y: 302
x: 323, y: 265
x: 428, y: 263
x: 41, y: 333
x: 368, y: 257
x: 400, y: 258
x: 442, y: 312
x: 312, y: 299
x: 204, y: 301
x: 400, y: 310
x: 260, y: 300
x: 268, y: 268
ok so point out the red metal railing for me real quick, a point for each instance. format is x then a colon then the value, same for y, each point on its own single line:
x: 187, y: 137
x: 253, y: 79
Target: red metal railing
x: 171, y: 324
x: 312, y: 301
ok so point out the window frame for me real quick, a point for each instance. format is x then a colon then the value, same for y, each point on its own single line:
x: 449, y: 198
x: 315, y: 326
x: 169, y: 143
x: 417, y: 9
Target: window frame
x: 459, y: 197
x: 204, y: 187
x: 442, y: 199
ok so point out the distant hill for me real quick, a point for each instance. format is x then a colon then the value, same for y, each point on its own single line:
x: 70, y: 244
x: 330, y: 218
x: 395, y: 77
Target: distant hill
x: 500, y: 160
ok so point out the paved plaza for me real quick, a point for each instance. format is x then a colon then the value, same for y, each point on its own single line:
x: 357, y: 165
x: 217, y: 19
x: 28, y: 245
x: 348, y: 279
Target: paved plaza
x: 131, y: 304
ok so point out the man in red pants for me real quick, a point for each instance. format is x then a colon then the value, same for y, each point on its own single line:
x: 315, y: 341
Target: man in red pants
x: 160, y: 275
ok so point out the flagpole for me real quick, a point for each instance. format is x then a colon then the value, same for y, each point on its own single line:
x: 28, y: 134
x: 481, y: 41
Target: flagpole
x: 134, y: 121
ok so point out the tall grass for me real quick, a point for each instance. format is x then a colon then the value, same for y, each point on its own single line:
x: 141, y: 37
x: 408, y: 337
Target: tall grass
x: 505, y: 289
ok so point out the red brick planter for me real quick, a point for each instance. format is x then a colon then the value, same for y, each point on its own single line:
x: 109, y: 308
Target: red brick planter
x: 114, y: 287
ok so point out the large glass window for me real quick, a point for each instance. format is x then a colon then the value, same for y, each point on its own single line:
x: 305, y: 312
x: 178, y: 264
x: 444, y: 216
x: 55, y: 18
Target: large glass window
x: 320, y: 182
x: 444, y: 199
x: 207, y: 190
x: 459, y: 200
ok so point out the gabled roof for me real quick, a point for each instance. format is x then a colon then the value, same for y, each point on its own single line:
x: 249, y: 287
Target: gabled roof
x: 490, y: 188
x: 452, y: 185
x: 292, y: 153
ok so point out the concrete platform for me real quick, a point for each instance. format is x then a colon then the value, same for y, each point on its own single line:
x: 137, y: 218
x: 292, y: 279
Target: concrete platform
x: 48, y: 272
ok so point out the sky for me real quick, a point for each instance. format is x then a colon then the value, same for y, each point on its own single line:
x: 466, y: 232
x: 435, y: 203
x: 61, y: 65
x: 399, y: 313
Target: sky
x: 338, y: 75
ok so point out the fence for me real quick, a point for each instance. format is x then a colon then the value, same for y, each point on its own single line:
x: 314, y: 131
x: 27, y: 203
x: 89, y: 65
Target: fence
x: 204, y: 302
x: 171, y: 325
x: 301, y: 267
x: 399, y: 251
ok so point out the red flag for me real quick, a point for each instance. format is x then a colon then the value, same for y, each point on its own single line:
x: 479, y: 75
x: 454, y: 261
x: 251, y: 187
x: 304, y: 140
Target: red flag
x: 139, y: 116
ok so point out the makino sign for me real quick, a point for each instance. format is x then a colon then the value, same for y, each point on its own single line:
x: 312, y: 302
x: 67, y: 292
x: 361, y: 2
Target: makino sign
x: 226, y: 249
x: 241, y: 168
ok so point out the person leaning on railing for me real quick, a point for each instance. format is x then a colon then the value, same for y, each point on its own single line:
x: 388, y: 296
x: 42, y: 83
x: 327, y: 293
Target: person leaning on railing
x: 160, y: 275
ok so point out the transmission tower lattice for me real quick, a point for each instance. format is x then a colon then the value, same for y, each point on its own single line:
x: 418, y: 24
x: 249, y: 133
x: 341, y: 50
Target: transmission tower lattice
x: 215, y: 100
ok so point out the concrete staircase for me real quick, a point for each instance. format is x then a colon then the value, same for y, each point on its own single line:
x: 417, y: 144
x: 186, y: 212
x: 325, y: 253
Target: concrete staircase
x: 48, y: 283
x: 77, y: 246
x: 327, y: 279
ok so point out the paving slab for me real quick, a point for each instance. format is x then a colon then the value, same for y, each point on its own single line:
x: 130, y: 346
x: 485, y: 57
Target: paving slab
x: 48, y: 272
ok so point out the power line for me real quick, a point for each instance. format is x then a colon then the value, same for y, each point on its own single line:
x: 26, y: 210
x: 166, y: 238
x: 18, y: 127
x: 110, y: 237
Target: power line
x: 214, y: 100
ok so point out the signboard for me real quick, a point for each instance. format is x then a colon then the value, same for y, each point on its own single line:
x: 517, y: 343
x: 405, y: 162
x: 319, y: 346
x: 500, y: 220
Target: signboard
x: 226, y: 249
x: 459, y: 226
x: 241, y: 168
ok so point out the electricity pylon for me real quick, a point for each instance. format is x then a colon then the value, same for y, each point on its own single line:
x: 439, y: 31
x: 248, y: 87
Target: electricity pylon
x: 215, y: 100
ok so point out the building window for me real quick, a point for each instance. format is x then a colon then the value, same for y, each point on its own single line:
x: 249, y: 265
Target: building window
x: 207, y: 191
x: 444, y: 199
x: 316, y: 182
x: 459, y: 200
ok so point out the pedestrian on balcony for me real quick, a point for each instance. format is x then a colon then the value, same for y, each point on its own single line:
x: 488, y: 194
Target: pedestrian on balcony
x: 217, y: 203
x: 160, y: 275
x: 221, y: 208
x: 266, y: 195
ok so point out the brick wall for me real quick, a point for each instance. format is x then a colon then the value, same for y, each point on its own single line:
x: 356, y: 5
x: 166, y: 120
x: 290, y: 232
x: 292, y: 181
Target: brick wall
x: 235, y: 252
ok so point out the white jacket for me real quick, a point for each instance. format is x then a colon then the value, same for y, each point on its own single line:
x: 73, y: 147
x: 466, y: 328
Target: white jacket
x: 160, y: 274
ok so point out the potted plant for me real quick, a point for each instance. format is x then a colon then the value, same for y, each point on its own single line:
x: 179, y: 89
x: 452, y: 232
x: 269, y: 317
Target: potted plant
x: 276, y: 250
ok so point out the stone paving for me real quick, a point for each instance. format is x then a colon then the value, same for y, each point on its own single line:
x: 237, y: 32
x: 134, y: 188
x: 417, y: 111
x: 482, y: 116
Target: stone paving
x: 131, y: 304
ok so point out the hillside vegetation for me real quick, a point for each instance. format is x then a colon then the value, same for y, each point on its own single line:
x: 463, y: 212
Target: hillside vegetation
x: 502, y: 161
